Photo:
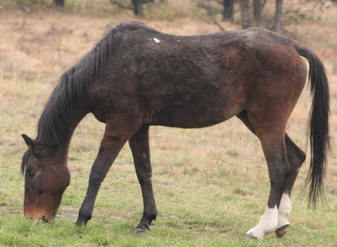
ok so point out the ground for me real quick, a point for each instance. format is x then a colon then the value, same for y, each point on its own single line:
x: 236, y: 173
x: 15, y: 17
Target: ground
x: 211, y: 184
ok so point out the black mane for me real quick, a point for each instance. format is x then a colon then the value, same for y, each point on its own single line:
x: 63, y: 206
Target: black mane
x: 70, y: 93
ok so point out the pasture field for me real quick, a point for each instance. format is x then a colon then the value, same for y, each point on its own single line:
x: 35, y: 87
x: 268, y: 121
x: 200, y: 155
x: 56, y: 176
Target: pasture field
x: 211, y: 185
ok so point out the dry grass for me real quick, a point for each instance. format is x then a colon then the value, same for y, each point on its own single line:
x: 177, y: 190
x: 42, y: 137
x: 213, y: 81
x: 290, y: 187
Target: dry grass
x: 35, y: 48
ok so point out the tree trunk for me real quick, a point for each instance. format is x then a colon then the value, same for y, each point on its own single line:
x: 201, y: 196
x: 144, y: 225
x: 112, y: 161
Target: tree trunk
x: 138, y: 8
x: 58, y: 3
x: 278, y: 16
x: 228, y: 13
x: 257, y: 6
x: 244, y: 8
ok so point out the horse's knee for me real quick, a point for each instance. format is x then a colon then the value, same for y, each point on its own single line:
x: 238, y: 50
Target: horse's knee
x: 96, y: 176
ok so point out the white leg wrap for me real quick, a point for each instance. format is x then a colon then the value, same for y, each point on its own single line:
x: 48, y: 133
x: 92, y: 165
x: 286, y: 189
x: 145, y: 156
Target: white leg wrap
x: 284, y: 211
x: 267, y: 224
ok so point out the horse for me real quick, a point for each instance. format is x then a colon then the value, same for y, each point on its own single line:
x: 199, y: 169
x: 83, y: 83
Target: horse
x: 136, y: 77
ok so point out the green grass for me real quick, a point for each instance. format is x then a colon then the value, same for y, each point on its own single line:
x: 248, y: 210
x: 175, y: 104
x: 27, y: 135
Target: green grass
x: 211, y: 185
x: 198, y: 204
x: 194, y: 210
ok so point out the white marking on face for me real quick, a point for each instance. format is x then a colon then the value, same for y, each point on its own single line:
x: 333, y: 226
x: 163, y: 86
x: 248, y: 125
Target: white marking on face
x: 156, y: 40
x: 267, y: 223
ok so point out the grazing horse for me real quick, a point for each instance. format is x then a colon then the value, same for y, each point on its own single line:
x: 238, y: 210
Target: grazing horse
x: 136, y: 77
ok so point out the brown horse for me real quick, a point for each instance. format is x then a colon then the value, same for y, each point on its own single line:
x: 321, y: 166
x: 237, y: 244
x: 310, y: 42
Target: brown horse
x: 136, y: 77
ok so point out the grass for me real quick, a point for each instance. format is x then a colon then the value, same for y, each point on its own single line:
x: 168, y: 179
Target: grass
x: 210, y: 184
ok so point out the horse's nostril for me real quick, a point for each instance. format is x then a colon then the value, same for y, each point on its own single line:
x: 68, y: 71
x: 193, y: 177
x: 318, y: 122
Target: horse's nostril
x: 43, y: 219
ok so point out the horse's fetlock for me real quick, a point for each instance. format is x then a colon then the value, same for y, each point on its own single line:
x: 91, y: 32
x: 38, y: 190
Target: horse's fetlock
x: 152, y: 216
x: 84, y: 216
x: 149, y: 217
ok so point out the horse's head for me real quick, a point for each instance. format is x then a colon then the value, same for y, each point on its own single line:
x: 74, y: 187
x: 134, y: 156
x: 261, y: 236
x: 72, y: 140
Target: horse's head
x: 46, y: 178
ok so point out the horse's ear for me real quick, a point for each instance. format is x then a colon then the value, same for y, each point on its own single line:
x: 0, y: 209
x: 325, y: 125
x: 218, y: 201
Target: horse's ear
x: 29, y: 141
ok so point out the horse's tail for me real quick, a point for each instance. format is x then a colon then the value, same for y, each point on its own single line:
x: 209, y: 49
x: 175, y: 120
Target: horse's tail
x: 319, y: 124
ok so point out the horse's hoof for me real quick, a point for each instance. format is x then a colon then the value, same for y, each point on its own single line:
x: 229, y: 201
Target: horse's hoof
x: 142, y: 227
x: 139, y: 230
x: 282, y: 230
x: 250, y: 236
x: 81, y: 223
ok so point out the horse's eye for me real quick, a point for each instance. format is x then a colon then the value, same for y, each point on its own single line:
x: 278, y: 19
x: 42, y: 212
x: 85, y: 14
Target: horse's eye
x: 31, y: 171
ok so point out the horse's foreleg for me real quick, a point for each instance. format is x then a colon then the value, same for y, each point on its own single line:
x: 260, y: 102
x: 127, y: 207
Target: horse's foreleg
x: 111, y: 144
x: 139, y: 144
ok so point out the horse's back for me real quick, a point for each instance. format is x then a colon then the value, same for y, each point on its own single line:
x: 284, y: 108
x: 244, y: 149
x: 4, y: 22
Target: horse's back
x: 195, y: 81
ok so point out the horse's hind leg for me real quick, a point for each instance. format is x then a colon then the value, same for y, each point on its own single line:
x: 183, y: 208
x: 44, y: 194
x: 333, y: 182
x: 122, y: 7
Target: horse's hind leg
x: 295, y: 157
x: 139, y: 144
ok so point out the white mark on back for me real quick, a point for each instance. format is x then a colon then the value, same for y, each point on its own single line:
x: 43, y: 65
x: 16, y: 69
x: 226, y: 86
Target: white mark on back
x: 156, y: 40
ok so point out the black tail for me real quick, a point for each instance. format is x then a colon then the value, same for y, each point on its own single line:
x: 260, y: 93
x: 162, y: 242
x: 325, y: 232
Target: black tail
x: 319, y: 124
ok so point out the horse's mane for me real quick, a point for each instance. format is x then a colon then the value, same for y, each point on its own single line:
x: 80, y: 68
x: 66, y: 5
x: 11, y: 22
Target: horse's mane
x: 71, y: 92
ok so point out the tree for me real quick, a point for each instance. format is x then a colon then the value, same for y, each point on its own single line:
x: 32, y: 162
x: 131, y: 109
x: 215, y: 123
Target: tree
x: 245, y: 19
x: 138, y: 6
x: 228, y: 10
x: 58, y: 3
x: 258, y: 6
x: 278, y: 16
x: 302, y: 10
x: 211, y: 12
x: 135, y: 5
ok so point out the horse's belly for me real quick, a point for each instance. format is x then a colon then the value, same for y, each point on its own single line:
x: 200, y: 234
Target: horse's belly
x: 196, y: 117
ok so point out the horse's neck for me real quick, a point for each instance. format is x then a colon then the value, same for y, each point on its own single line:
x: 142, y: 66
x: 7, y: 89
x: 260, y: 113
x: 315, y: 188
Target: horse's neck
x: 75, y: 120
x: 58, y: 136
